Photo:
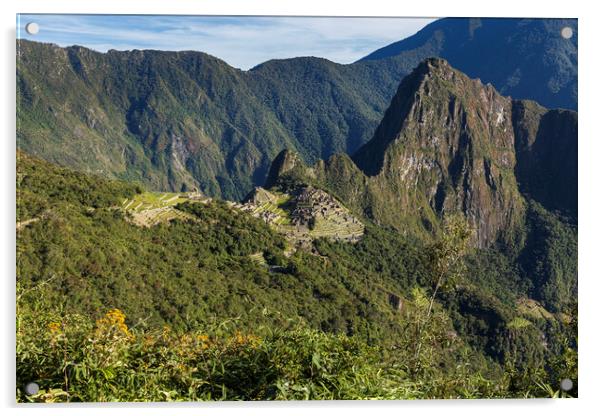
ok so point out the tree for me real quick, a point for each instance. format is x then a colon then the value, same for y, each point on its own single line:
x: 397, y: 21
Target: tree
x: 446, y: 261
x: 447, y: 255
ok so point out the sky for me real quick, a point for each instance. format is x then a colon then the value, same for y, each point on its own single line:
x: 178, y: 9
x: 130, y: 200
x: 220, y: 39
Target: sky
x: 242, y: 42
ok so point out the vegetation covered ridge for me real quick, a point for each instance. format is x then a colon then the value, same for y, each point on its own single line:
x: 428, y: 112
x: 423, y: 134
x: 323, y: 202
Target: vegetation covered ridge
x: 183, y: 310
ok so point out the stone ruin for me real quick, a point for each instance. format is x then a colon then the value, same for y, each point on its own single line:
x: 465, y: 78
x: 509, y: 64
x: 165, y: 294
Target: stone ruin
x: 313, y: 213
x: 312, y: 203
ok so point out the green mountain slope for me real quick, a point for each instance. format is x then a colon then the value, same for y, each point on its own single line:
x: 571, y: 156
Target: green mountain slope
x: 450, y: 144
x: 170, y: 120
x: 183, y: 120
x: 185, y: 271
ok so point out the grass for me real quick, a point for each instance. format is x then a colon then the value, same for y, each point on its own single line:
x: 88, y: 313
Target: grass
x: 258, y: 258
x: 277, y: 207
x: 333, y: 226
x: 74, y: 358
x: 519, y: 323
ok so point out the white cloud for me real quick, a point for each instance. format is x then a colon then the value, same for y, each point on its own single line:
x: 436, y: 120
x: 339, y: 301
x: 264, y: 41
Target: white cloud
x: 243, y: 42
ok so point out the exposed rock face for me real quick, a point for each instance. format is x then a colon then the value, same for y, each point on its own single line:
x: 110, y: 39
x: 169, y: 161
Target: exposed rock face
x: 284, y: 164
x: 447, y: 144
x: 546, y: 152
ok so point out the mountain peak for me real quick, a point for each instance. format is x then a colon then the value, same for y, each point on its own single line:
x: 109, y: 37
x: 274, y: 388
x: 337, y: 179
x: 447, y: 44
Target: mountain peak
x: 435, y: 63
x: 450, y: 144
x: 545, y: 69
x: 446, y: 144
x: 431, y: 91
x: 285, y: 163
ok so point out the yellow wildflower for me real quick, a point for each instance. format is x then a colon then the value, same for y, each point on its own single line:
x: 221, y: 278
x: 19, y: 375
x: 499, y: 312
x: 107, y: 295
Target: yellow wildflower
x: 204, y: 341
x: 54, y: 327
x: 114, y: 319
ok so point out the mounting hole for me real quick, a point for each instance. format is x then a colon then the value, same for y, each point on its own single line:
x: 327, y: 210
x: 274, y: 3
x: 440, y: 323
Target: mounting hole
x: 31, y: 388
x: 566, y: 384
x: 566, y: 32
x: 32, y: 28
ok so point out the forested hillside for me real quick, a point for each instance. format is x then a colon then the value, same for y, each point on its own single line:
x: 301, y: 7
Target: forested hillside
x: 223, y: 285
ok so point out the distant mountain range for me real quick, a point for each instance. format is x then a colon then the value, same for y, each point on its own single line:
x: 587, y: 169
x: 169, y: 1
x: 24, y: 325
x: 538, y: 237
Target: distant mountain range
x: 522, y: 58
x: 184, y: 120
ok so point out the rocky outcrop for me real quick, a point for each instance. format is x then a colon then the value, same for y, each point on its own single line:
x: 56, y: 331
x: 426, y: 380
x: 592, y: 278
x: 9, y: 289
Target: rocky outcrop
x: 283, y: 164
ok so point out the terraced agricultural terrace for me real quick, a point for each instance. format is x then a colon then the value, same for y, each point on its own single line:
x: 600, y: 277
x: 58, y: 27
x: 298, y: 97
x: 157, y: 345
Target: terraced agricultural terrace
x: 302, y: 217
x: 151, y: 208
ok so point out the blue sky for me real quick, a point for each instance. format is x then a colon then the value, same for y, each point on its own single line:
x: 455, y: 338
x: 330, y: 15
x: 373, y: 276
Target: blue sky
x: 243, y: 42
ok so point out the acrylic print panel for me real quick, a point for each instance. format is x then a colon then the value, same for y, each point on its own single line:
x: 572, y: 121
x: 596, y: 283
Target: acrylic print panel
x: 295, y: 208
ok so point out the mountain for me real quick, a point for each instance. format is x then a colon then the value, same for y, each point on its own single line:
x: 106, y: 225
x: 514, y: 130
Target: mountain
x: 183, y: 120
x: 171, y: 120
x: 186, y: 120
x: 215, y: 261
x: 546, y: 155
x: 522, y: 58
x: 324, y: 282
x: 447, y: 144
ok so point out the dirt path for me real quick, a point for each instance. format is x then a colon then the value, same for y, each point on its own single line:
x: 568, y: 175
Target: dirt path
x: 25, y: 223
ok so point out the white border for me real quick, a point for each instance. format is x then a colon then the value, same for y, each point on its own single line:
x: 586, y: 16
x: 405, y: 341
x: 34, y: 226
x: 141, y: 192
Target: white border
x: 590, y: 181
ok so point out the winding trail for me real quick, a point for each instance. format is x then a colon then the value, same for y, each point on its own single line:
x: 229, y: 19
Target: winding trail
x: 25, y: 223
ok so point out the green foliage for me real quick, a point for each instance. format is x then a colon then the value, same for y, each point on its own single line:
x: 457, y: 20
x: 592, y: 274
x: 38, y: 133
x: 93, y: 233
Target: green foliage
x: 350, y: 316
x: 74, y: 358
x: 532, y: 380
x: 446, y: 266
x: 187, y: 271
x: 549, y: 258
x: 40, y: 185
x: 446, y: 254
x: 127, y: 113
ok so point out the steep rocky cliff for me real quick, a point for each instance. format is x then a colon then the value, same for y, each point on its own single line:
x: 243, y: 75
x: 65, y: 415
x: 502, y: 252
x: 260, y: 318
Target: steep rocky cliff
x: 448, y: 143
x: 546, y: 153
